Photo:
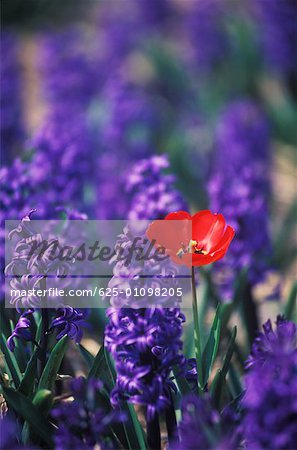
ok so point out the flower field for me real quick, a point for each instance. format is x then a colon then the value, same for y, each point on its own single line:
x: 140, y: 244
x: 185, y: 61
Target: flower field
x: 148, y: 174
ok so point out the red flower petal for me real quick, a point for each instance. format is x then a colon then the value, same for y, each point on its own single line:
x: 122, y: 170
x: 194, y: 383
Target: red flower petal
x: 225, y: 240
x: 202, y: 223
x: 215, y: 233
x: 178, y: 215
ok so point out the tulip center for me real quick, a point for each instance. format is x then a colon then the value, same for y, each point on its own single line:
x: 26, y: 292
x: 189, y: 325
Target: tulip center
x: 192, y: 247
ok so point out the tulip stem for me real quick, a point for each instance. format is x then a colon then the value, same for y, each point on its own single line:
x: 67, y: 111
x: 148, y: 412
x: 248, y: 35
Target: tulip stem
x: 197, y: 337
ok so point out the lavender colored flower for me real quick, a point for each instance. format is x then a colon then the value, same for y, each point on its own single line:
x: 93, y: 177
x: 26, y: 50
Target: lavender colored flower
x: 62, y: 166
x: 239, y: 190
x: 146, y: 345
x: 22, y: 330
x: 204, y: 23
x: 202, y: 427
x: 152, y: 190
x: 276, y: 21
x: 70, y: 70
x: 270, y: 406
x: 82, y: 423
x: 69, y: 321
x: 12, y: 130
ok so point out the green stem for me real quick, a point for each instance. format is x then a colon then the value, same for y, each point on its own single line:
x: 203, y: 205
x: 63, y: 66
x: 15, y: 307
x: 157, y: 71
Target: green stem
x: 197, y: 336
x: 44, y: 333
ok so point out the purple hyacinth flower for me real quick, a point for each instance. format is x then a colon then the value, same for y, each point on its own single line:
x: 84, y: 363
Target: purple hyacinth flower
x: 82, y: 423
x: 152, y: 189
x: 202, y: 427
x: 146, y: 345
x: 71, y: 75
x: 69, y: 321
x: 11, y: 126
x: 145, y: 342
x: 276, y: 21
x: 130, y: 126
x: 270, y: 406
x: 273, y: 343
x: 22, y: 330
x: 239, y: 189
x: 205, y: 27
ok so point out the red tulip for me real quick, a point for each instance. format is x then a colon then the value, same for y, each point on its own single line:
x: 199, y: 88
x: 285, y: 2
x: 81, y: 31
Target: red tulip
x: 192, y: 240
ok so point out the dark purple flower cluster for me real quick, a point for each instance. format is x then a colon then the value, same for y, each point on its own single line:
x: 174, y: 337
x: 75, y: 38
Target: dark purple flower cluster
x: 270, y: 404
x: 82, y: 423
x: 202, y: 427
x: 130, y: 128
x: 11, y: 128
x: 146, y: 345
x: 62, y: 166
x: 205, y: 27
x: 239, y: 189
x: 276, y: 21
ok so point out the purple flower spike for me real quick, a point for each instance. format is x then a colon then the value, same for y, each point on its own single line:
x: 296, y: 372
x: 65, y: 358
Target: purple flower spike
x: 23, y: 329
x: 239, y: 189
x: 202, y: 427
x: 272, y: 343
x: 270, y: 405
x: 82, y: 424
x: 69, y: 321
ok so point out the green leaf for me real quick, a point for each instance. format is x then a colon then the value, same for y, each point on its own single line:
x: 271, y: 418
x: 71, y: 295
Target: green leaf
x: 281, y: 242
x: 290, y: 308
x: 210, y: 351
x: 235, y: 382
x: 88, y: 357
x: 181, y: 382
x: 27, y: 383
x: 134, y: 430
x: 98, y: 364
x: 48, y: 377
x: 29, y: 412
x: 10, y: 361
x: 131, y: 435
x: 218, y: 382
x: 43, y: 400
